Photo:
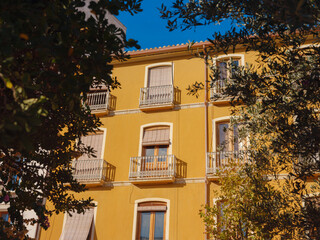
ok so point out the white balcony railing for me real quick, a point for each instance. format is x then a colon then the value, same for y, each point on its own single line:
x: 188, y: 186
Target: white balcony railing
x: 90, y: 170
x: 158, y: 95
x: 101, y: 101
x: 223, y: 160
x: 152, y: 167
x: 217, y: 89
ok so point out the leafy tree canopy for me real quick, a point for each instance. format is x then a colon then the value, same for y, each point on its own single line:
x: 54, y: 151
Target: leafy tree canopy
x: 50, y: 54
x: 272, y: 196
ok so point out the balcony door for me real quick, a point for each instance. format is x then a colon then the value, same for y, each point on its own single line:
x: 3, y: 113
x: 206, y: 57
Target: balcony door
x: 227, y: 143
x: 151, y: 221
x: 226, y: 68
x: 88, y: 165
x: 156, y: 157
x: 227, y: 139
x: 155, y: 146
x: 159, y: 83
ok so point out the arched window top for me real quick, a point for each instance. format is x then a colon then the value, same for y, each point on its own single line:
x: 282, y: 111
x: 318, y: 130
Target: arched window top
x: 160, y: 74
x: 157, y: 134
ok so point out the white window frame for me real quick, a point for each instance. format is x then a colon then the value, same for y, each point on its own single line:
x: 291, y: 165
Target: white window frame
x: 156, y: 124
x: 93, y: 226
x: 104, y: 130
x: 146, y: 76
x: 229, y: 56
x: 135, y: 215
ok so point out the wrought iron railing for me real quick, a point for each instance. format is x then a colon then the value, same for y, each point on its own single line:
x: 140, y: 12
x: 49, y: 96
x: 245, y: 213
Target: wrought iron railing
x: 167, y: 94
x: 223, y: 160
x: 101, y: 101
x: 92, y: 170
x: 149, y: 167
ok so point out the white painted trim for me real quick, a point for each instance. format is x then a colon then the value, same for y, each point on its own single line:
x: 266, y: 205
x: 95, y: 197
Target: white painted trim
x: 94, y: 219
x: 142, y: 127
x: 135, y: 215
x: 93, y: 227
x: 241, y: 56
x: 309, y: 45
x: 157, y: 65
x: 103, y: 141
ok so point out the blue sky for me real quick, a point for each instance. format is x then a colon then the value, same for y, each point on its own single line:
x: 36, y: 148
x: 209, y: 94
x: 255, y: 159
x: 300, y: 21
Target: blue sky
x: 150, y: 30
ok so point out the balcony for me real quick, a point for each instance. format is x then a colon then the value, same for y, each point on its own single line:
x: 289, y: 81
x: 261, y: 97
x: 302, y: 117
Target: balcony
x: 153, y: 169
x: 223, y: 161
x: 93, y: 171
x: 217, y: 95
x: 101, y: 102
x: 159, y: 97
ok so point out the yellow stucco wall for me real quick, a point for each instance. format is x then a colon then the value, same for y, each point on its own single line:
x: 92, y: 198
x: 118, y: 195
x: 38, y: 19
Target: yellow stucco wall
x: 115, y: 211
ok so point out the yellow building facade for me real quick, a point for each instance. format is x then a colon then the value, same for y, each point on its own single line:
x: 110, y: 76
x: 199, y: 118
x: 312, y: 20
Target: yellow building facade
x: 157, y: 152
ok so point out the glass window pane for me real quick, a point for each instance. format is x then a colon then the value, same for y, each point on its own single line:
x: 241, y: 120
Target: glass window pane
x: 235, y: 64
x: 221, y: 217
x: 163, y: 150
x: 222, y: 70
x: 235, y: 138
x: 223, y: 136
x: 162, y: 153
x: 144, y: 225
x: 149, y: 151
x: 158, y: 226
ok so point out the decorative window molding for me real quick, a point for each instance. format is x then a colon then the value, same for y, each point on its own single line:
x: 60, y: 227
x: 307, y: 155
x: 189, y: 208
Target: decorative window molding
x: 146, y: 200
x: 229, y: 56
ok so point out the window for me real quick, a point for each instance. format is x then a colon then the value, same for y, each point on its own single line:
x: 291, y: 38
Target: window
x: 224, y: 222
x: 155, y: 161
x: 88, y: 168
x: 151, y: 221
x: 221, y: 205
x: 160, y: 84
x: 78, y: 226
x: 158, y: 88
x: 227, y: 137
x: 160, y: 76
x: 155, y: 144
x: 96, y: 142
x: 226, y: 67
